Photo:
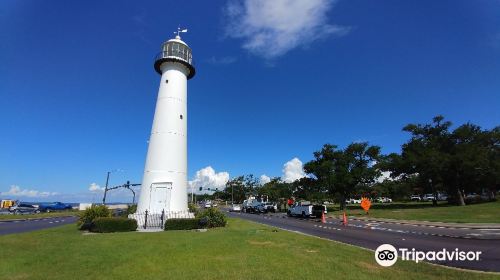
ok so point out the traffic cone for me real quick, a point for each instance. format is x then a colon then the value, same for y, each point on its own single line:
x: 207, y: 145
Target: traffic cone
x: 344, y: 219
x: 323, y: 219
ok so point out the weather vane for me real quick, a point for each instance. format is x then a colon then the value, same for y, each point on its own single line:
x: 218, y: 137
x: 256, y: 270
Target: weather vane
x: 179, y: 31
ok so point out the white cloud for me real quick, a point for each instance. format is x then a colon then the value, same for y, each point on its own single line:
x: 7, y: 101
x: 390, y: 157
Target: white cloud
x: 207, y: 178
x: 96, y: 188
x: 264, y: 179
x: 272, y: 28
x: 16, y: 191
x: 293, y: 170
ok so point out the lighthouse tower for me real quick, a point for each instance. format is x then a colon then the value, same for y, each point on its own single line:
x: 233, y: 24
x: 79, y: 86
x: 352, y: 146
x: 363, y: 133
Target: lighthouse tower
x: 164, y: 185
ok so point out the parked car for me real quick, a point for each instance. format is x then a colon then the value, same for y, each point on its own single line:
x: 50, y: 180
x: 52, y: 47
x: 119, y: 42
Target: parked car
x: 208, y: 204
x: 428, y: 197
x: 353, y: 201
x: 383, y: 200
x: 442, y: 197
x: 235, y: 208
x: 415, y: 197
x: 24, y: 209
x: 55, y: 206
x: 472, y: 198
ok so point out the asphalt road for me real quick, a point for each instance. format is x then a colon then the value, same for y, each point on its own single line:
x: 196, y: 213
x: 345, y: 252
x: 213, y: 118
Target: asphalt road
x: 371, y: 235
x: 19, y: 226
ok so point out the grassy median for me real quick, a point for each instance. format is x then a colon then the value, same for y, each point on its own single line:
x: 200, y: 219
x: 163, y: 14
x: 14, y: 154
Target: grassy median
x: 39, y: 215
x: 243, y: 250
x: 488, y: 212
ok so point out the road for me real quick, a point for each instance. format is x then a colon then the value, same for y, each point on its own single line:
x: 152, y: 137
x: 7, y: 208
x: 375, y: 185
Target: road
x: 19, y: 226
x: 370, y: 235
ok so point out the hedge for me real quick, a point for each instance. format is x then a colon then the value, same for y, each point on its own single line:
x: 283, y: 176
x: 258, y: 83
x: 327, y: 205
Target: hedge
x: 113, y: 224
x: 183, y: 224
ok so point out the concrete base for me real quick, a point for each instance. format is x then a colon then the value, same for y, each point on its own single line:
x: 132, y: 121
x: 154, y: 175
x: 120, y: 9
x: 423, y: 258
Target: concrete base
x: 149, y: 229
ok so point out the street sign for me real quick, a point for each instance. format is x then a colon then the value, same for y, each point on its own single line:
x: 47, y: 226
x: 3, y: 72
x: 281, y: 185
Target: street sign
x: 365, y: 204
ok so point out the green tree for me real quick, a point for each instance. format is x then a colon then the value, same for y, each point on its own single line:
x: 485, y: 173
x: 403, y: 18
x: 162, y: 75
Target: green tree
x: 474, y: 165
x: 464, y: 160
x: 341, y: 171
x: 239, y: 188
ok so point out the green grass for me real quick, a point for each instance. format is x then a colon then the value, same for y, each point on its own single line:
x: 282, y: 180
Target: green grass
x: 40, y: 215
x: 488, y: 212
x: 243, y: 250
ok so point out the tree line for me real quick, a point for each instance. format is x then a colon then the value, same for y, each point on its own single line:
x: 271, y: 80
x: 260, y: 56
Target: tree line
x: 435, y: 159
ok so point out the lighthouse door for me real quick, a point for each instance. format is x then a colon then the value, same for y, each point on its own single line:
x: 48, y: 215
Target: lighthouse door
x: 160, y: 196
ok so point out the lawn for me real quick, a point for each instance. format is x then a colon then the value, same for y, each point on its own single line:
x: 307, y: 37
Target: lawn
x: 488, y: 212
x: 40, y: 215
x: 243, y: 250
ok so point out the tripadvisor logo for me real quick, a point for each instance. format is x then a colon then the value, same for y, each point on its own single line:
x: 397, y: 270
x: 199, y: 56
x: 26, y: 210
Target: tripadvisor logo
x: 387, y: 255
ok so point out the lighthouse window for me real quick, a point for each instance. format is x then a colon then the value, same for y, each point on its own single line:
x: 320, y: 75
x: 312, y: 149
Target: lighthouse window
x: 181, y: 117
x: 166, y: 81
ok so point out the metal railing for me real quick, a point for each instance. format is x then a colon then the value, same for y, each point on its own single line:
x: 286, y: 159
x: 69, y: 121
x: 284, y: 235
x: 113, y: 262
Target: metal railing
x: 147, y: 220
x: 185, y: 56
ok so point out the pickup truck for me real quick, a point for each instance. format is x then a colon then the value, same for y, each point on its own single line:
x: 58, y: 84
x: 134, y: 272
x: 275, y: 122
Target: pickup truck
x: 252, y: 205
x: 305, y: 209
x: 55, y: 206
x: 268, y: 207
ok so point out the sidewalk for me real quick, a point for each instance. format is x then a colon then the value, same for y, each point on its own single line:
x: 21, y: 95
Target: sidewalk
x: 429, y: 224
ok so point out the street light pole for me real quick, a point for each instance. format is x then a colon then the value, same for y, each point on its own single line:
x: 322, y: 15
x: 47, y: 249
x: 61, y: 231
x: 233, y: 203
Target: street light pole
x: 232, y: 195
x: 192, y: 194
x: 434, y: 198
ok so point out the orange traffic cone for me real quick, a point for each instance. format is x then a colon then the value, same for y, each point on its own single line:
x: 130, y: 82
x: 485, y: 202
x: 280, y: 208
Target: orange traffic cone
x: 323, y: 219
x: 344, y: 219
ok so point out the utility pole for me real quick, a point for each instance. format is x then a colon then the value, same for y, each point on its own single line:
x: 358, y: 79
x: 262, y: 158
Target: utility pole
x: 105, y: 189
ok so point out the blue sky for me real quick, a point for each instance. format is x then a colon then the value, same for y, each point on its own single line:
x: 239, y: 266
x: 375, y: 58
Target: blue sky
x: 275, y: 80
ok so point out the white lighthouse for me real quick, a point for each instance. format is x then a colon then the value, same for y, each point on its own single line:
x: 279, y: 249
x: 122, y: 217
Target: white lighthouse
x: 164, y: 185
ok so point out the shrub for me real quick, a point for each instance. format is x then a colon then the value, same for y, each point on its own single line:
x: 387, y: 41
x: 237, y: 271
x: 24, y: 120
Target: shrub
x: 215, y: 218
x: 131, y: 209
x: 112, y: 224
x: 182, y: 224
x: 192, y: 208
x: 89, y: 214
